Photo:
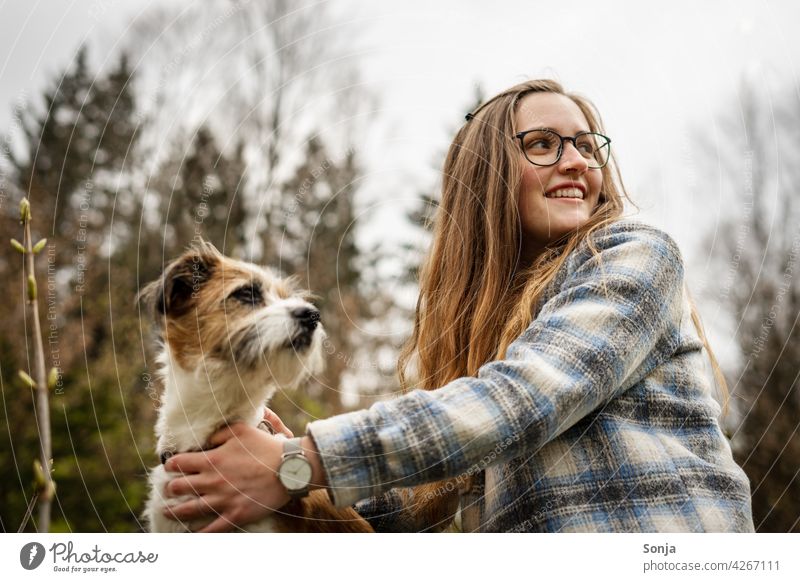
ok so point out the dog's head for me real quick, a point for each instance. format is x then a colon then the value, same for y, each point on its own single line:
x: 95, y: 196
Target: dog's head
x: 235, y: 317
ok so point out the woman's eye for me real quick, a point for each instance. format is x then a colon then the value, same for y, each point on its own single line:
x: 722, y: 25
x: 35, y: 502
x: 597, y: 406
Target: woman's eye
x: 586, y: 146
x: 540, y: 144
x: 249, y: 294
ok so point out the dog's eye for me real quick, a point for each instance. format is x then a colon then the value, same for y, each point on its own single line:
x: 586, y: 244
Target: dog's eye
x: 249, y: 294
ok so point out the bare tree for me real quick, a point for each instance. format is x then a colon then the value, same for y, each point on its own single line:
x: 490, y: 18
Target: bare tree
x: 265, y: 73
x: 756, y: 158
x: 277, y: 86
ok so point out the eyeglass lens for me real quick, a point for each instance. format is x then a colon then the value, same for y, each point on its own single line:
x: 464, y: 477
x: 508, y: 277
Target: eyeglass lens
x: 544, y: 147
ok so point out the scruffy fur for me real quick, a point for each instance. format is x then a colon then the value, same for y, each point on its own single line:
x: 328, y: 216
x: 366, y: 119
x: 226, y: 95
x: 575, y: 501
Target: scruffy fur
x: 232, y: 333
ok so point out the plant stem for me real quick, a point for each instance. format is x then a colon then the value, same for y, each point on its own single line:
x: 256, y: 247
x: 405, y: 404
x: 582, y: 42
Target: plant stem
x: 42, y: 396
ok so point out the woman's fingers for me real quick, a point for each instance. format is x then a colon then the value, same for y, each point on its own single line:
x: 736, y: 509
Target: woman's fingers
x: 220, y: 525
x: 236, y: 481
x: 188, y: 463
x: 224, y: 434
x: 277, y: 423
x: 195, y: 508
x: 199, y: 508
x: 188, y: 485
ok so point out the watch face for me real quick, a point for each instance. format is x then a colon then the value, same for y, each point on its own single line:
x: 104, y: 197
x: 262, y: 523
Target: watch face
x: 295, y: 473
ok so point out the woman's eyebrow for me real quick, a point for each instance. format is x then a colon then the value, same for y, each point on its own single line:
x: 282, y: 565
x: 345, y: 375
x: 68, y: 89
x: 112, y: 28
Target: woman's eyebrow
x: 540, y: 128
x: 558, y: 132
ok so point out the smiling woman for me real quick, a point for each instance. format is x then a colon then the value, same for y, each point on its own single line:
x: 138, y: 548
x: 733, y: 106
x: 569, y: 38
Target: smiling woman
x: 561, y: 184
x: 558, y: 361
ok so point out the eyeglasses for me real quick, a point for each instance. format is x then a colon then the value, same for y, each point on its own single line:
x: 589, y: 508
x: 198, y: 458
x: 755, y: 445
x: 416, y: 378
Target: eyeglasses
x: 543, y: 147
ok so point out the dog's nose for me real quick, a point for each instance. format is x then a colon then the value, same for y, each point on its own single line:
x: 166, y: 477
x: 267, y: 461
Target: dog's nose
x: 307, y: 317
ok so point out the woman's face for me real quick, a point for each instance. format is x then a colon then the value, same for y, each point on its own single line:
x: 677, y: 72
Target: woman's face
x: 545, y: 218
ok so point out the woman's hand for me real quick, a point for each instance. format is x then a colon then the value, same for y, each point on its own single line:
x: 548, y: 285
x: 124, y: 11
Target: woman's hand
x: 277, y: 424
x: 237, y: 480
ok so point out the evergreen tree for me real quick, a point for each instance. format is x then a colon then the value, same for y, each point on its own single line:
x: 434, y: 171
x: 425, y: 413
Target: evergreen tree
x: 113, y: 223
x: 73, y: 168
x: 313, y: 238
x: 201, y: 194
x: 84, y: 132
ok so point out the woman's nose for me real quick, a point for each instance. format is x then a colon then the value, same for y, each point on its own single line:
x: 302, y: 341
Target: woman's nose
x: 571, y: 159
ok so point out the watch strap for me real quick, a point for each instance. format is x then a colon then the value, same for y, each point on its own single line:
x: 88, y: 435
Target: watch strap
x: 293, y: 448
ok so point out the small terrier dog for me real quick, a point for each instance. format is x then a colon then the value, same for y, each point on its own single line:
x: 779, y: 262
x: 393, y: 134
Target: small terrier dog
x: 232, y: 333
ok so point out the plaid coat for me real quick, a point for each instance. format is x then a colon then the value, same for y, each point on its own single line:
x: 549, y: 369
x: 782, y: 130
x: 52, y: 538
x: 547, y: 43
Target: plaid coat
x: 599, y: 419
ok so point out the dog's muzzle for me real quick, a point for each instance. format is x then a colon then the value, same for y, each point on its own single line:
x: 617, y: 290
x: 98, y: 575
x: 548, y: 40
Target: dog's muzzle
x: 307, y: 319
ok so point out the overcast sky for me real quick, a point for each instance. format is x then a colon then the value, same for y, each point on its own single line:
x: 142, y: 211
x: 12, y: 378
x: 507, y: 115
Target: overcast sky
x: 655, y: 70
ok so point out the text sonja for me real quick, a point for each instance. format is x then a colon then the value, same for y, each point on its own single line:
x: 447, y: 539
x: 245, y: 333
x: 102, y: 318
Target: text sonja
x: 663, y: 549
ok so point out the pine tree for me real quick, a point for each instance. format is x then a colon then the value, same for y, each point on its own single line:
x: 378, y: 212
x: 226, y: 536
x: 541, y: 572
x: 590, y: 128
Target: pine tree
x: 313, y: 238
x: 83, y: 132
x: 202, y: 195
x: 74, y: 164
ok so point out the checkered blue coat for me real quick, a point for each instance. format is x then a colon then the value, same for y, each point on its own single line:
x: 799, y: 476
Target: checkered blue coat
x: 599, y: 419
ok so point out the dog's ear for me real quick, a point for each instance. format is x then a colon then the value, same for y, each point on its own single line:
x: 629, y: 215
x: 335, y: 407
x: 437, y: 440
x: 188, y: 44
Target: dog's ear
x: 204, y: 249
x: 173, y: 292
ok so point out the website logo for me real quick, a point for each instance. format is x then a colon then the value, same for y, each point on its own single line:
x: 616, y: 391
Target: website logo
x: 31, y: 555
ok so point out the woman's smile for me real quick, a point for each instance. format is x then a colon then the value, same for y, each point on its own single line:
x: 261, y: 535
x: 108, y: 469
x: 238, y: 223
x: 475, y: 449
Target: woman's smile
x: 571, y: 188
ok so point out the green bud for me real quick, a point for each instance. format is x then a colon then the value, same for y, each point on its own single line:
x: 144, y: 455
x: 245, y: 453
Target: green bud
x: 27, y: 379
x: 52, y: 378
x: 24, y: 210
x: 39, y: 479
x: 39, y: 246
x: 46, y: 487
x: 31, y: 288
x: 17, y: 245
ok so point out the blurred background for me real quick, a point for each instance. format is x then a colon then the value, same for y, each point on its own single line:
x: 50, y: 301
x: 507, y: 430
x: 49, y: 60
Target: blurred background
x: 309, y: 136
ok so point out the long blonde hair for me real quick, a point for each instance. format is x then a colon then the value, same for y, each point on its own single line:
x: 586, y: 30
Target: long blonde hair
x: 475, y: 297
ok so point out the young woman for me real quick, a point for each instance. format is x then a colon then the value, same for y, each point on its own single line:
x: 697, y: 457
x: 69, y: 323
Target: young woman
x: 558, y: 355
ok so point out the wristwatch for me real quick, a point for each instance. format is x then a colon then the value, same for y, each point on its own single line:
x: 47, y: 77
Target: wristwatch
x: 294, y: 471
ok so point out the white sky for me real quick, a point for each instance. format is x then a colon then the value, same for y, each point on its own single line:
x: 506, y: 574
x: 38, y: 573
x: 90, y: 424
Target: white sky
x: 655, y: 71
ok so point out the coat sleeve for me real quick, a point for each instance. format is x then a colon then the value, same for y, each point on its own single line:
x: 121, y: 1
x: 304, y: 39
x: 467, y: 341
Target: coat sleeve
x: 614, y: 318
x: 388, y: 512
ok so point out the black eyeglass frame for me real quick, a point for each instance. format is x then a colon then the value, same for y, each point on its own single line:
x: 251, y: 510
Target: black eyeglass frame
x: 521, y: 136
